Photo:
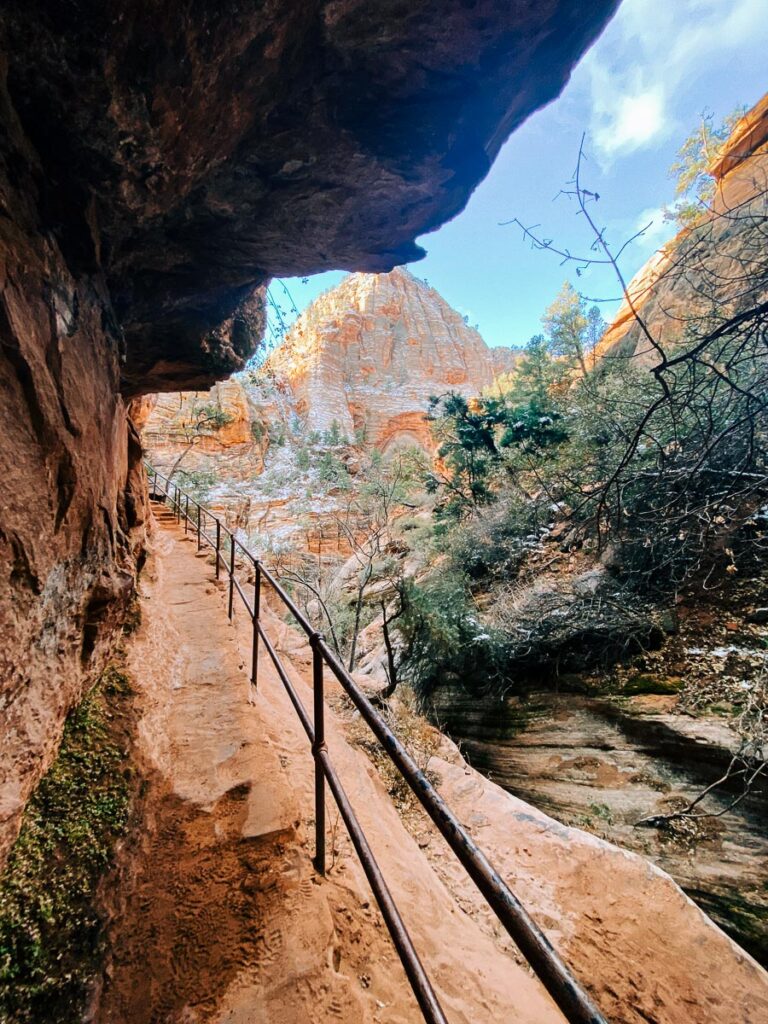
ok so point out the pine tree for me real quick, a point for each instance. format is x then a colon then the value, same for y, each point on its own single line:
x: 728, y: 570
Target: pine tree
x: 566, y: 325
x: 693, y: 183
x: 595, y: 330
x: 534, y: 375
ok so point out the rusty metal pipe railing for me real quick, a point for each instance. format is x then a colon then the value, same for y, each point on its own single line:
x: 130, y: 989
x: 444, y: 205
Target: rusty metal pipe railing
x: 422, y: 989
x: 528, y: 937
x: 318, y: 749
x: 291, y: 689
x: 412, y: 964
x: 533, y: 944
x: 256, y: 615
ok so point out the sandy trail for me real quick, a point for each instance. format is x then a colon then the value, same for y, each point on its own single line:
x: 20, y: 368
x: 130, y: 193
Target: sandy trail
x: 220, y: 916
x: 641, y: 947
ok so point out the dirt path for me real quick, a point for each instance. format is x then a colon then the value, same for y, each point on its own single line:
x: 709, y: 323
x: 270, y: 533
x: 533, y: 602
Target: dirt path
x: 643, y: 949
x: 220, y: 916
x: 218, y: 904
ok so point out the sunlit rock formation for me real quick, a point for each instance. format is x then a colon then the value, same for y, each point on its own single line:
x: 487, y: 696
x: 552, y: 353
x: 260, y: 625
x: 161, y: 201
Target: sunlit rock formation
x: 358, y: 366
x: 716, y: 265
x: 369, y: 353
x: 157, y: 166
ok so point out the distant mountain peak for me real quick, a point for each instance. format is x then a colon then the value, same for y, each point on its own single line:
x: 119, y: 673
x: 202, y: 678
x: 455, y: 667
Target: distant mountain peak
x: 370, y: 352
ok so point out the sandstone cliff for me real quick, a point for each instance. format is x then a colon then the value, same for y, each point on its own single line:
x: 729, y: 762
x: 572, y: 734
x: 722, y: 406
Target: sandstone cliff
x: 707, y: 265
x: 157, y: 166
x: 369, y: 353
x: 355, y: 373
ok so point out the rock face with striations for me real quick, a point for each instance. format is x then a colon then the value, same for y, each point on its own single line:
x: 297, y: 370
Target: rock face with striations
x: 704, y: 270
x: 365, y: 358
x: 158, y: 164
x: 369, y: 353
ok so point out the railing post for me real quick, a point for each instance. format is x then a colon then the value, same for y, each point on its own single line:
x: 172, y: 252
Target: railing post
x: 256, y: 613
x: 231, y: 572
x: 317, y: 748
x: 199, y: 525
x: 218, y: 542
x: 186, y: 514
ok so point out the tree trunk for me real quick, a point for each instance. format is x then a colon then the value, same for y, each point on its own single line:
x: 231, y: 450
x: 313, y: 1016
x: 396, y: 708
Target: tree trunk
x: 391, y: 668
x: 358, y: 613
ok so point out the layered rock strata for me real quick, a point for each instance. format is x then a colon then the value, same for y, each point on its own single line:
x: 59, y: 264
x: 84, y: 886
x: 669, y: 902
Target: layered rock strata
x: 368, y: 354
x: 359, y: 365
x: 713, y: 269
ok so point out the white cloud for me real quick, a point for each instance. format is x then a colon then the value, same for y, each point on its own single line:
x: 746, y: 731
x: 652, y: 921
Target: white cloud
x: 630, y: 121
x: 645, y: 57
x: 657, y: 229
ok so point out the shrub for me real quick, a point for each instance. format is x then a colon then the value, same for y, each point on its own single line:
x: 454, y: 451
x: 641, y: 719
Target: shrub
x: 212, y: 416
x: 443, y: 642
x: 197, y: 483
x: 332, y: 470
x: 495, y: 542
x: 276, y: 433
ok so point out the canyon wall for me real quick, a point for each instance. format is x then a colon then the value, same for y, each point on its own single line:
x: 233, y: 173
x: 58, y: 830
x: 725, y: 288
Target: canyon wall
x: 354, y: 373
x: 158, y: 164
x: 365, y: 356
x: 72, y: 509
x: 712, y: 269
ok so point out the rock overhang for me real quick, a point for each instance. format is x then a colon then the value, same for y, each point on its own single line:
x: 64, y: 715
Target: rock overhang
x: 190, y: 151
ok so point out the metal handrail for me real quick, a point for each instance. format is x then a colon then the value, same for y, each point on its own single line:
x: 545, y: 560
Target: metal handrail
x: 566, y: 992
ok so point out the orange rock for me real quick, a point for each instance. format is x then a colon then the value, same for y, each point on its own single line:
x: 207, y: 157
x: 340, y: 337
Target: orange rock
x: 366, y: 355
x: 369, y: 353
x: 670, y: 289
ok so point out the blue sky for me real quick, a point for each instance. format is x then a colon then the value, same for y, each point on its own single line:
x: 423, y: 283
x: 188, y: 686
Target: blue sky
x: 637, y: 93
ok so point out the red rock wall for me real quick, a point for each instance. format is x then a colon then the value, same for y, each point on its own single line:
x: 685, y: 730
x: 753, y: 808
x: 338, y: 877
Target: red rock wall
x: 185, y: 153
x: 71, y: 490
x: 707, y: 262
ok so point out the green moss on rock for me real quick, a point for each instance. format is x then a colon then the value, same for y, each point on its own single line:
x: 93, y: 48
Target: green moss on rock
x: 50, y: 926
x: 649, y: 685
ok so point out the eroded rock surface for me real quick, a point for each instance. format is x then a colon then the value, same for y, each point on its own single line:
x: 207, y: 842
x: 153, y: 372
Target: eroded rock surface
x: 369, y: 353
x: 715, y: 268
x: 158, y: 164
x: 198, y: 150
x: 605, y: 765
x: 359, y: 365
x: 71, y: 489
